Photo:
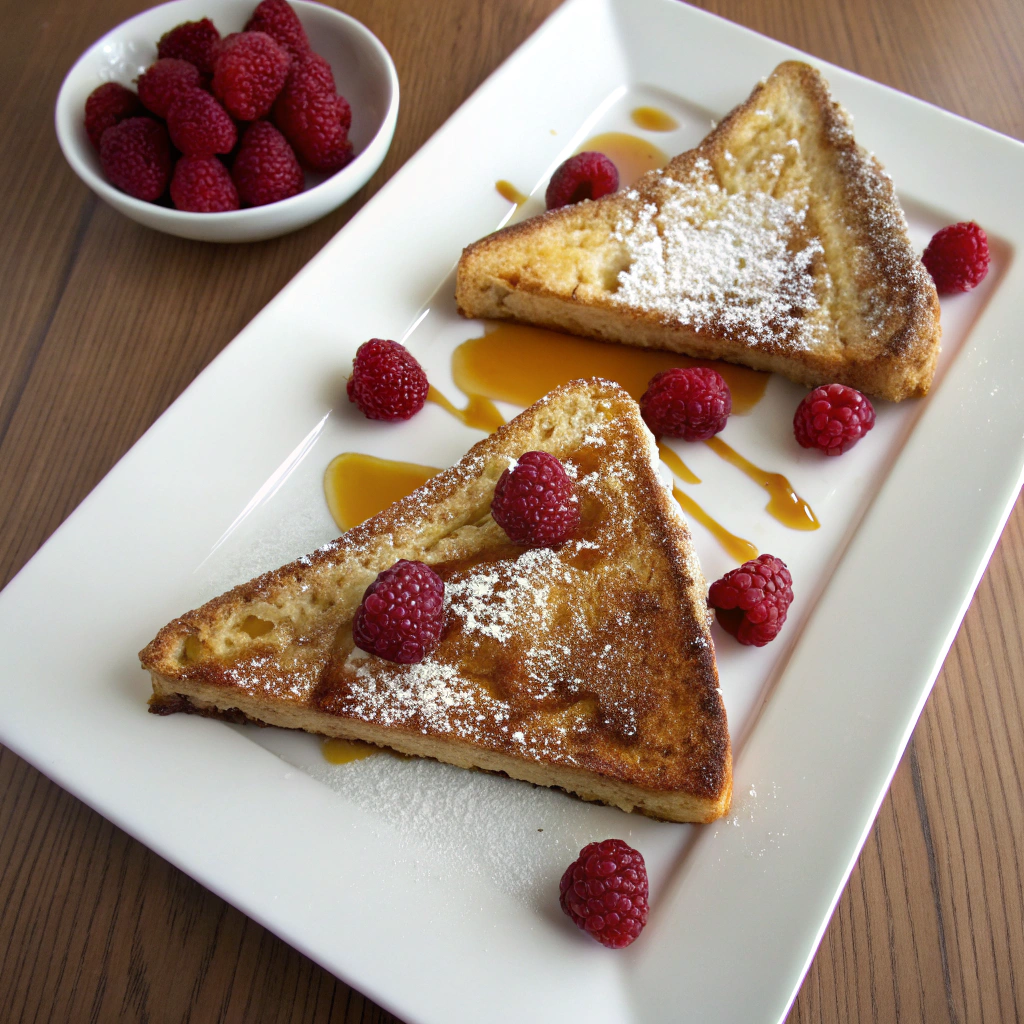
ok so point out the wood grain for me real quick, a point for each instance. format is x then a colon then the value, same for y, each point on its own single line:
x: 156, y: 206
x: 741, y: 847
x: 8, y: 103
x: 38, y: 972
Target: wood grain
x: 103, y: 324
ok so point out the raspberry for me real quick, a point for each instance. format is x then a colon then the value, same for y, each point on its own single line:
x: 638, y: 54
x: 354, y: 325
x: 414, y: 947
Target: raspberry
x: 108, y: 104
x: 402, y: 613
x: 833, y: 419
x: 201, y: 184
x: 583, y: 176
x: 265, y: 168
x: 281, y: 23
x: 136, y: 157
x: 199, y: 125
x: 957, y: 257
x: 535, y: 502
x: 162, y: 82
x: 605, y: 891
x: 752, y: 601
x: 692, y: 404
x: 194, y: 41
x: 248, y: 73
x: 387, y: 383
x: 312, y: 119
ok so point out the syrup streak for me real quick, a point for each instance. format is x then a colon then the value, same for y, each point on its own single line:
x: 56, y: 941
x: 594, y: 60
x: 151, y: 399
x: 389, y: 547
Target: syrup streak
x: 736, y: 547
x: 480, y: 412
x: 676, y: 464
x: 784, y: 503
x: 508, y: 191
x: 653, y: 119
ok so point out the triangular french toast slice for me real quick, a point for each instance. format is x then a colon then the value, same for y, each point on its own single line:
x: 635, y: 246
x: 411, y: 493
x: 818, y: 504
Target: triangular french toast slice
x: 777, y: 243
x: 589, y: 667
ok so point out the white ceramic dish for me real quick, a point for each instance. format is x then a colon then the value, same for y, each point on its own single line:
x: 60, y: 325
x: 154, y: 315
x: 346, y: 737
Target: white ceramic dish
x: 434, y: 890
x: 363, y: 72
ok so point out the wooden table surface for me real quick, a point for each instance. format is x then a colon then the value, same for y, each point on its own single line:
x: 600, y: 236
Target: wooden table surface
x: 104, y: 323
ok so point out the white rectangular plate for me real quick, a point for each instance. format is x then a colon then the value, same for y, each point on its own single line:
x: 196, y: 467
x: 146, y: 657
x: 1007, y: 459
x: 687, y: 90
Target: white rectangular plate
x: 435, y: 890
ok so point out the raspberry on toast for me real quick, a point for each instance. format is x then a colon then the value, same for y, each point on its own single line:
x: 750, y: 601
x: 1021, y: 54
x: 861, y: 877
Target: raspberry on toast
x: 588, y: 667
x: 777, y: 243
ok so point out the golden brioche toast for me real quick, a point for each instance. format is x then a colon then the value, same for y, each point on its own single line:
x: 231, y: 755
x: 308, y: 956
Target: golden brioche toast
x: 588, y: 667
x: 777, y: 243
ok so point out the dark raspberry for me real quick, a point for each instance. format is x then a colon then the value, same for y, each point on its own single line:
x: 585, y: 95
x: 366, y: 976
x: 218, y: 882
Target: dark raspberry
x: 535, y: 502
x: 281, y: 23
x: 605, y: 892
x: 402, y: 614
x: 344, y: 113
x: 266, y: 169
x: 201, y: 184
x: 135, y: 155
x: 310, y: 116
x: 583, y: 176
x: 164, y: 81
x: 248, y: 73
x: 957, y: 257
x: 751, y: 602
x: 194, y: 41
x: 387, y: 383
x: 107, y: 105
x: 833, y: 419
x: 200, y: 126
x: 693, y: 404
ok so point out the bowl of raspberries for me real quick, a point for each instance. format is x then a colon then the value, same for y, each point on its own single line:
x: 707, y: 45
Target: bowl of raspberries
x: 229, y: 122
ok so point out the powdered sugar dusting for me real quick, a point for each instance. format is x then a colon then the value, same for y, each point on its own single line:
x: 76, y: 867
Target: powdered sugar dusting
x: 733, y: 263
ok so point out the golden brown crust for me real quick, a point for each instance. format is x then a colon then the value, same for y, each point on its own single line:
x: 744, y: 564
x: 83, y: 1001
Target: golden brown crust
x: 609, y: 690
x: 865, y: 313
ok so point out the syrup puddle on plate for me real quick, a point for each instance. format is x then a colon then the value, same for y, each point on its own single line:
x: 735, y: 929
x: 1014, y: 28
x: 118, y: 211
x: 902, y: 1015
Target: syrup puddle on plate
x: 358, y: 486
x: 631, y: 155
x: 518, y: 364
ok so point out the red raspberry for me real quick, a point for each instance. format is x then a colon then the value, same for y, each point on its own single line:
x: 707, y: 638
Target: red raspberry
x: 387, y: 383
x: 312, y: 119
x: 201, y: 184
x: 194, y: 41
x: 402, y: 614
x: 957, y: 257
x: 266, y: 169
x: 692, y: 404
x: 164, y: 81
x: 583, y: 176
x: 833, y: 419
x: 108, y: 104
x: 200, y: 126
x: 249, y: 72
x: 752, y: 601
x: 281, y: 23
x: 135, y: 155
x: 535, y: 502
x: 605, y: 892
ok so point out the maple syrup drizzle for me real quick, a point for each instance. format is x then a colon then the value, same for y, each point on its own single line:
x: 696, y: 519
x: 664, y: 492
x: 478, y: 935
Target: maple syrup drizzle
x: 508, y: 191
x: 631, y: 155
x: 676, y: 464
x: 784, y: 503
x: 519, y: 364
x: 653, y: 119
x: 346, y: 751
x: 358, y: 486
x: 480, y: 411
x: 736, y: 547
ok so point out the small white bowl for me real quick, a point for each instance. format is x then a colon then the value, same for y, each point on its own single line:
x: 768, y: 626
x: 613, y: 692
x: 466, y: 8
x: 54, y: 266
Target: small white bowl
x: 364, y: 73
